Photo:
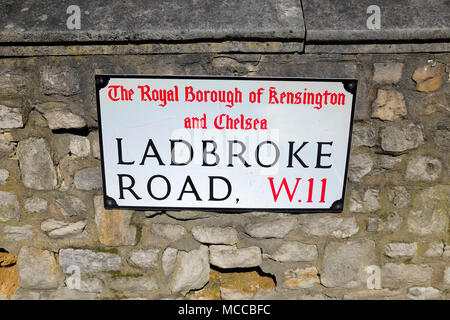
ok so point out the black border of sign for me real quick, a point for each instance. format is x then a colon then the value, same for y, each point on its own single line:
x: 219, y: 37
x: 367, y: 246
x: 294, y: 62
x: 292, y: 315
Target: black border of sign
x: 102, y: 80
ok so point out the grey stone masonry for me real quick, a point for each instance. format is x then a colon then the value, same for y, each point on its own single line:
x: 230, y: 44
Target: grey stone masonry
x: 88, y: 261
x: 36, y: 165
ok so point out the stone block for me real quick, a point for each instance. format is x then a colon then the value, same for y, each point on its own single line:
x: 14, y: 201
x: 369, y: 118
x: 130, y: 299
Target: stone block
x: 36, y: 164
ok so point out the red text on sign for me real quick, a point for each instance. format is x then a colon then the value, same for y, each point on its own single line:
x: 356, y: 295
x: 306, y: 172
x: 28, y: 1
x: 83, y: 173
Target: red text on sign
x: 290, y: 193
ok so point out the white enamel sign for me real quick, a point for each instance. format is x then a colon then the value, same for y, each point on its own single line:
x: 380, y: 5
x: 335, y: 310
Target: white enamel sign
x: 229, y: 144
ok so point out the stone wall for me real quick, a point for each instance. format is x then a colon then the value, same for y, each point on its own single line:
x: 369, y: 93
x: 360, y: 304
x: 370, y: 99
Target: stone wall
x: 57, y: 241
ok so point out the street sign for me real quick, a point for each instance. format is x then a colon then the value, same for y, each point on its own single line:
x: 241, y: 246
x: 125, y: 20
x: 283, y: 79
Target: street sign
x: 224, y: 143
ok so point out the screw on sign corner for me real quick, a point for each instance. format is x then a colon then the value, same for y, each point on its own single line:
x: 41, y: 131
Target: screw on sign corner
x: 374, y: 20
x: 101, y: 81
x: 350, y: 86
x: 338, y: 205
x: 110, y: 203
x: 74, y: 20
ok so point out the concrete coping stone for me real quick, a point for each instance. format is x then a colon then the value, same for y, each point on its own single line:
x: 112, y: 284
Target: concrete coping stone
x: 382, y: 20
x: 50, y: 21
x: 224, y: 25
